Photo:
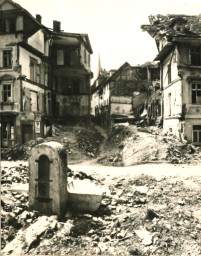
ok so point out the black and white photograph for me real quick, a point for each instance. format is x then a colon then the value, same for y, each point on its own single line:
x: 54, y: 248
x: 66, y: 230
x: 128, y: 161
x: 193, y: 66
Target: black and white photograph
x: 100, y: 127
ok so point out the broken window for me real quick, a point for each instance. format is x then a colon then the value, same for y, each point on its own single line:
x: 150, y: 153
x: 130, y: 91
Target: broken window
x: 7, y: 93
x: 7, y: 58
x: 196, y: 93
x: 197, y: 134
x: 196, y: 55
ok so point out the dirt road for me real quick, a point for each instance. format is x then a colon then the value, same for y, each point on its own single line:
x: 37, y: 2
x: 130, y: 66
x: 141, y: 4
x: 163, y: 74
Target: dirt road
x: 155, y: 170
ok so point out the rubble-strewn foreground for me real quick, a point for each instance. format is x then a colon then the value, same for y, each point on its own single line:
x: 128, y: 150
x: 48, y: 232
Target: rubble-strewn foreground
x: 139, y: 215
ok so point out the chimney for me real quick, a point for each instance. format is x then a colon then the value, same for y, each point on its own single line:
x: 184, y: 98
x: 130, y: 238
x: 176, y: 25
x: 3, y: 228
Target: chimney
x: 38, y: 18
x: 56, y: 26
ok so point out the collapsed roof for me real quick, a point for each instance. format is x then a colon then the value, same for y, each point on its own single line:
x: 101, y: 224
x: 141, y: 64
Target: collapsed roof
x: 173, y: 25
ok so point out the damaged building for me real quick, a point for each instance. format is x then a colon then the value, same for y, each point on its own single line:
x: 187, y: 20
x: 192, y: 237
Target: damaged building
x: 178, y: 39
x: 71, y: 74
x: 124, y: 94
x: 44, y: 74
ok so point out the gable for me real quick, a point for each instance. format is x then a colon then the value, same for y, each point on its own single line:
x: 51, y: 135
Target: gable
x: 37, y: 40
x: 6, y: 6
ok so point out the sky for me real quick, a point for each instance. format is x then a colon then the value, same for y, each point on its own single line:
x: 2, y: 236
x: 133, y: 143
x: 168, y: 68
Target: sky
x: 113, y: 26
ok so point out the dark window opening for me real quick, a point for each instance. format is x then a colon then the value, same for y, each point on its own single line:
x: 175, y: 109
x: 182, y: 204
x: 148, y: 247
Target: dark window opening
x: 8, y: 25
x: 76, y: 86
x: 6, y: 92
x: 43, y: 177
x: 8, y: 130
x: 169, y: 74
x: 196, y: 93
x: 85, y: 56
x: 7, y: 58
x: 196, y: 56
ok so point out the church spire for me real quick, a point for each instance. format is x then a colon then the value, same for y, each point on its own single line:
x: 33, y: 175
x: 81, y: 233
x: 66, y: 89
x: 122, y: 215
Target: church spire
x: 99, y: 66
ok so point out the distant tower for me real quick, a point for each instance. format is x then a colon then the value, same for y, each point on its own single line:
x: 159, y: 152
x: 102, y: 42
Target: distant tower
x: 99, y: 66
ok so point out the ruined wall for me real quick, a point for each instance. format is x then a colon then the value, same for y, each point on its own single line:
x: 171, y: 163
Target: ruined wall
x: 171, y: 60
x: 172, y: 126
x: 121, y: 105
x: 173, y: 100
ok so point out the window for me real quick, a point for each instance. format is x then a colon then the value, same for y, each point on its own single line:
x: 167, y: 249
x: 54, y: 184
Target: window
x: 169, y: 73
x: 60, y: 57
x: 89, y: 60
x: 34, y: 70
x: 196, y: 93
x: 197, y: 134
x: 7, y: 58
x: 169, y: 104
x: 8, y: 25
x: 7, y: 133
x: 34, y: 101
x: 7, y: 92
x: 196, y: 56
x: 38, y: 73
x: 85, y: 56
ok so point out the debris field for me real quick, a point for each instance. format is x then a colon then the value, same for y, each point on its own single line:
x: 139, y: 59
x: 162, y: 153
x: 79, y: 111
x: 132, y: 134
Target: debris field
x: 140, y: 215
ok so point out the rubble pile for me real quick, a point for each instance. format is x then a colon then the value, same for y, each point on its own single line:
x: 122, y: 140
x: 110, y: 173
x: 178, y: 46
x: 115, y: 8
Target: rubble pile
x: 179, y: 153
x: 14, y: 214
x: 89, y: 141
x: 16, y: 174
x: 20, y: 151
x: 129, y: 145
x: 78, y: 141
x: 140, y: 216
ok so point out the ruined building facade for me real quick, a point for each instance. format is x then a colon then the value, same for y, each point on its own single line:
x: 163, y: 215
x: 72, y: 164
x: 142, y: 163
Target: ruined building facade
x: 44, y: 73
x: 178, y: 39
x: 124, y: 94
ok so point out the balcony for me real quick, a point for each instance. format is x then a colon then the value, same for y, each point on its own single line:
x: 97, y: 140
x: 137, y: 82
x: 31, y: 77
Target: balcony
x: 9, y: 107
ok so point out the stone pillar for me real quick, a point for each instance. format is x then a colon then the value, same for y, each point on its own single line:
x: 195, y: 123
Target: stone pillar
x: 48, y: 178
